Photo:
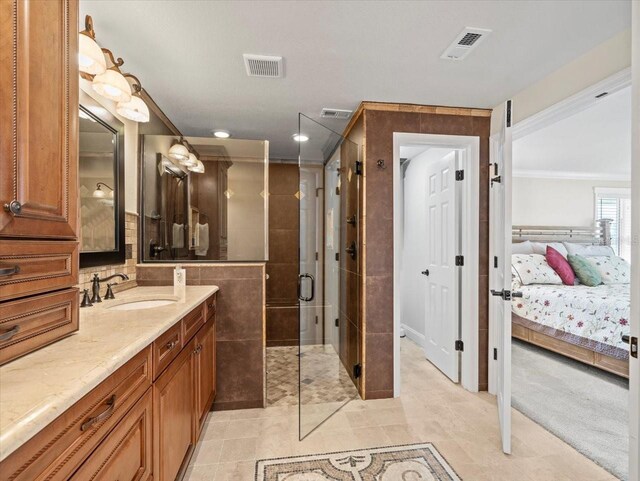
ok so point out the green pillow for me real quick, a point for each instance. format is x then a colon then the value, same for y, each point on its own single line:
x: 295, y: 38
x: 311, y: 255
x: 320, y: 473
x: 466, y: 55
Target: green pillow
x: 585, y: 271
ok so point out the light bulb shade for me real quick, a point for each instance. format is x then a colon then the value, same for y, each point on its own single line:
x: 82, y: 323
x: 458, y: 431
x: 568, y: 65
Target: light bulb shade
x: 90, y: 57
x: 135, y: 109
x: 112, y: 85
x: 99, y: 193
x: 179, y: 152
x: 191, y: 161
x: 198, y: 168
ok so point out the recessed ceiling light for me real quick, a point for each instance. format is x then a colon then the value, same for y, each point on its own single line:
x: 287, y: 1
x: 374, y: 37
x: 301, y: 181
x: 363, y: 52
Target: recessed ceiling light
x: 221, y: 134
x: 300, y: 137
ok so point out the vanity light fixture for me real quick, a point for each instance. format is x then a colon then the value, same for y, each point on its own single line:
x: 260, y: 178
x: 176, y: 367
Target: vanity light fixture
x: 221, y: 134
x: 90, y: 57
x: 300, y: 137
x: 101, y: 194
x: 179, y: 152
x: 198, y: 168
x: 103, y: 70
x: 190, y: 161
x: 135, y: 109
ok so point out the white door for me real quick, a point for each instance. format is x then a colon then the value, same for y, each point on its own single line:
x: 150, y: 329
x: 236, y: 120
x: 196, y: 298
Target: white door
x: 441, y: 311
x: 500, y: 276
x: 309, y: 282
x: 634, y: 362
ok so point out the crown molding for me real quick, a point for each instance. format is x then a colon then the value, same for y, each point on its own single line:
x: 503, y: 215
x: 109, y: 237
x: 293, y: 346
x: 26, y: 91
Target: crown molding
x: 557, y: 174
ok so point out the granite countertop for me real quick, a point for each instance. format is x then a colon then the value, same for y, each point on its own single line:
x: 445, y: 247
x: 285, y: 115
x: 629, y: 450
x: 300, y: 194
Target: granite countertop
x: 37, y: 388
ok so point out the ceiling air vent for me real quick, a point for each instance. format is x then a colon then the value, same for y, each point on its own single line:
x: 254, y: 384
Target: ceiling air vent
x: 467, y: 40
x: 263, y: 65
x: 336, y: 114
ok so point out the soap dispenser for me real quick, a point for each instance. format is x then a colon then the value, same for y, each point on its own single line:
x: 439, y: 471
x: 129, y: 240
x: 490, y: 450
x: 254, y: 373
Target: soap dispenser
x: 179, y: 282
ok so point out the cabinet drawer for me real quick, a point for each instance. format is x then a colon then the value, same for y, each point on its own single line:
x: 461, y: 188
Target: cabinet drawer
x: 126, y: 454
x: 60, y: 448
x: 166, y: 348
x: 29, y: 324
x: 210, y: 307
x: 39, y: 267
x: 192, y: 322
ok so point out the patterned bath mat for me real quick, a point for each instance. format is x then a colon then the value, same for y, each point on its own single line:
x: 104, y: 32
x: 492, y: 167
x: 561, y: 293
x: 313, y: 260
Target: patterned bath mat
x: 392, y: 463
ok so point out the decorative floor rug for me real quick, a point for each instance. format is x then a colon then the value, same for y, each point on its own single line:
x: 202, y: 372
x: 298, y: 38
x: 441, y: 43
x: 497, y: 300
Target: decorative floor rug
x: 412, y: 462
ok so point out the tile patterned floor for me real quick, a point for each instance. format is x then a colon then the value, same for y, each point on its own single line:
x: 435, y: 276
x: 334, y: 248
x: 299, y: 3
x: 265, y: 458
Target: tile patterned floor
x: 323, y: 379
x: 463, y: 426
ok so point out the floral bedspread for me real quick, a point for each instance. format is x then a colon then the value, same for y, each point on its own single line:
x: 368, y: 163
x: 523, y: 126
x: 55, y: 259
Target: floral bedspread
x: 598, y: 314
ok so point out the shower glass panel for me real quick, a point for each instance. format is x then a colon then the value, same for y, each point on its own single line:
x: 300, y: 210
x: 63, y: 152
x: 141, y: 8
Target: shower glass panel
x: 329, y: 274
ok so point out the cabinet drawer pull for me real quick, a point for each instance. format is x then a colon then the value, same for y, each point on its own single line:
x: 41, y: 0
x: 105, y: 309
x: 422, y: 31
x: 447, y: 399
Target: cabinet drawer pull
x: 14, y: 207
x: 111, y: 403
x: 9, y: 271
x: 6, y: 335
x: 171, y: 344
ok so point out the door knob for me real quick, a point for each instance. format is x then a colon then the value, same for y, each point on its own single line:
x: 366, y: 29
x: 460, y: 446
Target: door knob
x: 425, y: 272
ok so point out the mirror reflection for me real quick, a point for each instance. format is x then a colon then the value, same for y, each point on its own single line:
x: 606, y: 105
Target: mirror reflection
x: 98, y: 160
x: 204, y: 199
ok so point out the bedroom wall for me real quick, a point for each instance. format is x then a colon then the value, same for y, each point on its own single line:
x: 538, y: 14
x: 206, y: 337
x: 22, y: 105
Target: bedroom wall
x: 567, y: 202
x: 608, y: 58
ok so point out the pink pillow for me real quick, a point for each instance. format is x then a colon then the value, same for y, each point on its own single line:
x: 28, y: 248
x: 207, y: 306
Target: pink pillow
x: 562, y: 267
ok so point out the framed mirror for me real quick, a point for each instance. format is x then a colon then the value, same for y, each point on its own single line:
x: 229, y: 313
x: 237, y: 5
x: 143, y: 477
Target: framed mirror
x: 101, y: 178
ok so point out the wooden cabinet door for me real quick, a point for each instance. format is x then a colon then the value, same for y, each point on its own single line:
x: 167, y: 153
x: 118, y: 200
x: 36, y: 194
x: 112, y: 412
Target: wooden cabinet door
x: 39, y: 118
x: 205, y: 372
x: 126, y: 453
x: 173, y: 422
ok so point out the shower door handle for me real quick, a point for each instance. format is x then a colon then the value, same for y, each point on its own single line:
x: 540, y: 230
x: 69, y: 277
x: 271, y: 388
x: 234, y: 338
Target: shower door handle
x: 313, y: 287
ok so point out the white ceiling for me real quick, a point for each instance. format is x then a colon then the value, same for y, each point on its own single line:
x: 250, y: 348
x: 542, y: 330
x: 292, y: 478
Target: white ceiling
x: 188, y: 55
x: 594, y: 143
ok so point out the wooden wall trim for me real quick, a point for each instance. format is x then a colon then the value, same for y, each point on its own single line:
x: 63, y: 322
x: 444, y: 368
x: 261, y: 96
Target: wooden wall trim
x: 412, y: 108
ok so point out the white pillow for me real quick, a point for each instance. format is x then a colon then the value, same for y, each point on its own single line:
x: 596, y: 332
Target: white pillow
x: 525, y: 247
x: 612, y: 269
x: 588, y: 250
x: 533, y: 269
x: 541, y: 248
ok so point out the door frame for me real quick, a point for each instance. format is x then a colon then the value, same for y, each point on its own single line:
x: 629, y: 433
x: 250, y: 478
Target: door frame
x: 470, y: 210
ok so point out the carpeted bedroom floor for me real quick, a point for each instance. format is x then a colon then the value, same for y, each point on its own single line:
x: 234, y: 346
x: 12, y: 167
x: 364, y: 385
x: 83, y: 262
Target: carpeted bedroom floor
x: 582, y: 405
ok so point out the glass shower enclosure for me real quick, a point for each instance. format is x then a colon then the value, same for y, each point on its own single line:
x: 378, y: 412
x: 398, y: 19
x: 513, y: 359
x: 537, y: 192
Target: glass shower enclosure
x: 329, y: 280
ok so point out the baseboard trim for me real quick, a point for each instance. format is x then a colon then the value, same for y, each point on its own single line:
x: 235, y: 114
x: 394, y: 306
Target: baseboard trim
x: 414, y: 335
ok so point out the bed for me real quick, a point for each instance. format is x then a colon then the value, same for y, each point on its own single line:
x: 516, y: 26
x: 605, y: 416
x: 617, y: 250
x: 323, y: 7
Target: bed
x: 579, y: 322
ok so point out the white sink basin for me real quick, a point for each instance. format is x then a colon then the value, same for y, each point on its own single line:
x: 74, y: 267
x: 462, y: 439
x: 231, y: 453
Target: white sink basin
x: 133, y: 305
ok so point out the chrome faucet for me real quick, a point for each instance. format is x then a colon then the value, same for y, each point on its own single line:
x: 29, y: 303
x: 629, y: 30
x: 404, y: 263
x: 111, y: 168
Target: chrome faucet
x: 95, y: 285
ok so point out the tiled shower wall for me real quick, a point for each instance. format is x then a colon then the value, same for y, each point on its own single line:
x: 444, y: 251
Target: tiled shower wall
x: 128, y: 268
x: 282, y: 268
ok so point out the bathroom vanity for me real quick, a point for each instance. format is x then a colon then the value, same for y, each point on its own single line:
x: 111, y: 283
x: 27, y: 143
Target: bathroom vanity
x: 124, y: 398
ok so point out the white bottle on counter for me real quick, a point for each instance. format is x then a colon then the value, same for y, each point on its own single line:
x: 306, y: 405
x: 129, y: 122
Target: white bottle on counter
x: 180, y: 282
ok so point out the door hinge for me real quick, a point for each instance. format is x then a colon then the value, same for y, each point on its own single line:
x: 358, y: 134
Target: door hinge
x: 459, y: 261
x: 495, y: 262
x: 317, y: 256
x: 357, y: 371
x: 496, y: 180
x: 358, y: 167
x: 508, y: 113
x: 459, y: 174
x: 337, y: 190
x: 337, y: 322
x: 316, y: 319
x: 337, y: 256
x: 633, y: 345
x: 459, y: 345
x: 495, y: 353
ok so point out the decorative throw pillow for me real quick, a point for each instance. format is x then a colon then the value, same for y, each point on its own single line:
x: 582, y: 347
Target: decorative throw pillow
x: 562, y: 267
x: 585, y: 270
x: 588, y: 250
x: 533, y: 269
x: 613, y: 270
